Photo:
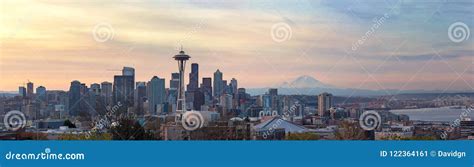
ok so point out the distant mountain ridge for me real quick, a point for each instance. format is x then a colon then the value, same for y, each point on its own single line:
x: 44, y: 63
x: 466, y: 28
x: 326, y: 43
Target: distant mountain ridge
x: 307, y: 85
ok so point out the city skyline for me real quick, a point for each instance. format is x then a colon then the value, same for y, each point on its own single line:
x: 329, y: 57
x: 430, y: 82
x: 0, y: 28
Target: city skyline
x: 329, y: 82
x: 55, y: 47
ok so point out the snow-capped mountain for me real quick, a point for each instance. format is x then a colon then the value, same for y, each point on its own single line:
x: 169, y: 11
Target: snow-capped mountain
x: 304, y: 81
x: 308, y: 85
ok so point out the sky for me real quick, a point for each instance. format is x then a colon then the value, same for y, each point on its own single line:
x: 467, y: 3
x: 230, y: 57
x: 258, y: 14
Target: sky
x: 374, y: 44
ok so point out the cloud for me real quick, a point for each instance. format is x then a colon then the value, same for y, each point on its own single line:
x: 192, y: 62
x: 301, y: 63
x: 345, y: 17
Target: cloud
x: 233, y: 36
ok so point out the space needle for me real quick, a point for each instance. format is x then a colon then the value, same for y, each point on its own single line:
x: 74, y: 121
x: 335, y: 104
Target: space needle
x: 181, y: 103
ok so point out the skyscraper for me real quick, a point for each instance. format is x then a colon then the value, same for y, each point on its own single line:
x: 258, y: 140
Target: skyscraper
x: 225, y: 88
x: 198, y: 99
x: 324, y: 104
x: 95, y: 89
x: 41, y: 93
x: 206, y: 88
x: 29, y: 89
x: 140, y: 97
x: 74, y: 98
x: 233, y: 86
x: 275, y: 100
x: 22, y: 91
x: 218, y: 86
x: 173, y: 91
x: 106, y: 92
x: 128, y: 71
x: 193, y: 87
x: 95, y: 104
x: 193, y: 78
x: 123, y: 90
x: 84, y: 89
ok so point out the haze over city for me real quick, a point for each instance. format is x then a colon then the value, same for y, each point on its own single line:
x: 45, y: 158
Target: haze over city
x: 52, y: 42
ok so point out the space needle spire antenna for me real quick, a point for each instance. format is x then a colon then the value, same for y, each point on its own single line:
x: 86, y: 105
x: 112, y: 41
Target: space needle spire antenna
x: 181, y: 58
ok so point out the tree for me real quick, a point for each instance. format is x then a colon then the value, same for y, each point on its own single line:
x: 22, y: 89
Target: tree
x: 69, y: 124
x: 130, y: 129
x: 153, y: 126
x: 92, y: 136
x: 350, y: 131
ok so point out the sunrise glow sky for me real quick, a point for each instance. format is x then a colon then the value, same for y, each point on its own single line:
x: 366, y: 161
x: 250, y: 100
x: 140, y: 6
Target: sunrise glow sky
x: 51, y: 42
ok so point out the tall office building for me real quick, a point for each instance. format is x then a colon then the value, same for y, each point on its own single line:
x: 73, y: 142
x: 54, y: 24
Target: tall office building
x: 84, y: 89
x: 218, y: 86
x: 106, y: 92
x: 95, y: 89
x: 41, y: 93
x: 140, y: 97
x: 128, y: 71
x: 123, y: 90
x: 198, y: 99
x: 233, y: 87
x: 324, y: 104
x: 193, y: 78
x: 22, y: 91
x: 156, y: 94
x: 173, y: 91
x: 193, y: 87
x: 275, y: 100
x: 75, y: 95
x: 124, y: 86
x: 95, y: 104
x: 206, y: 88
x: 195, y: 99
x: 225, y: 87
x: 29, y: 89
